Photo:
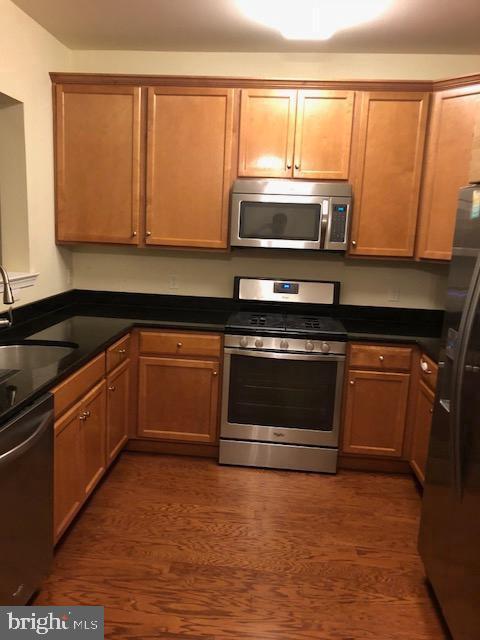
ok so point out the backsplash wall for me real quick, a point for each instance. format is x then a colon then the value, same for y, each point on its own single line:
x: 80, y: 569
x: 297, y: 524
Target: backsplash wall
x: 372, y: 282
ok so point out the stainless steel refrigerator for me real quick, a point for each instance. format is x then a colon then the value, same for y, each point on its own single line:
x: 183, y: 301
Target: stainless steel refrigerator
x: 449, y: 539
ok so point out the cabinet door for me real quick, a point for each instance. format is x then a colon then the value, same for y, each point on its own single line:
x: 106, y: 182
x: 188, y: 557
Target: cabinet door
x: 93, y: 437
x: 447, y: 168
x: 118, y: 409
x: 323, y: 134
x: 267, y: 132
x: 387, y: 175
x: 190, y: 135
x: 178, y: 399
x: 97, y: 166
x: 67, y: 495
x: 421, y: 430
x: 375, y: 413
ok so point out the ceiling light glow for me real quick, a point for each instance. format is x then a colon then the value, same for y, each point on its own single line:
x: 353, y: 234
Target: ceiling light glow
x: 311, y: 19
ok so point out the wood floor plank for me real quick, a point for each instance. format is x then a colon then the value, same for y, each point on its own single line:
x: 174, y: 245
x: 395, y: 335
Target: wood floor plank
x: 183, y: 549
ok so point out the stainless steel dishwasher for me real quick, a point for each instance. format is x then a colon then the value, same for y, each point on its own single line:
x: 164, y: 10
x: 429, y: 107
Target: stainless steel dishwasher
x: 26, y: 501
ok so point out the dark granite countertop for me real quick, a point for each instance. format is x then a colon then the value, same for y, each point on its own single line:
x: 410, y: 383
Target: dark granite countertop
x: 91, y: 321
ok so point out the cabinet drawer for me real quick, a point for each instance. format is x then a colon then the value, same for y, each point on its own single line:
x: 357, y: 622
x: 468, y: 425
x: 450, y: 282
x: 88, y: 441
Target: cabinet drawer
x: 180, y: 344
x: 118, y: 353
x: 428, y: 371
x: 73, y: 388
x: 382, y: 358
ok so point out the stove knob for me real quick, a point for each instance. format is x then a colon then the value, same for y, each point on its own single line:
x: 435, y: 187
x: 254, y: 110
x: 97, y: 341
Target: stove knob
x: 244, y: 341
x: 283, y: 344
x: 309, y: 346
x: 325, y: 347
x: 259, y: 343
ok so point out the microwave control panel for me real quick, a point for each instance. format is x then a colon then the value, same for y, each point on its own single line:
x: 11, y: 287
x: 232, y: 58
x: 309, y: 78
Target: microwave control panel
x: 338, y: 222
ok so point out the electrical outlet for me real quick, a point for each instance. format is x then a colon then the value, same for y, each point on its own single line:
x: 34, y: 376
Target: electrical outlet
x: 394, y: 295
x: 172, y: 282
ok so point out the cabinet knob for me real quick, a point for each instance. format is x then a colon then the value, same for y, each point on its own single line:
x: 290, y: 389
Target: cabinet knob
x: 87, y: 414
x: 122, y: 351
x: 111, y: 387
x: 289, y: 165
x: 179, y: 345
x: 354, y: 243
x: 352, y: 381
x: 297, y: 166
x: 134, y: 233
x: 381, y: 358
x: 148, y: 233
x: 431, y: 410
x: 215, y: 373
x: 424, y: 367
x: 82, y: 417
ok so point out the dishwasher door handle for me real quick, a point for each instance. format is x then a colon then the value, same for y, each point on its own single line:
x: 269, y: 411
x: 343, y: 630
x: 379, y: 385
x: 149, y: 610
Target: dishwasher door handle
x: 24, y: 446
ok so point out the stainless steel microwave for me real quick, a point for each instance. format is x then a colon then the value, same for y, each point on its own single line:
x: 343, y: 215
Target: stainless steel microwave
x: 290, y: 214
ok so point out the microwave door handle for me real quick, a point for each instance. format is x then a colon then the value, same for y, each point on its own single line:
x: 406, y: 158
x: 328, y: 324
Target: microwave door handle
x: 324, y: 223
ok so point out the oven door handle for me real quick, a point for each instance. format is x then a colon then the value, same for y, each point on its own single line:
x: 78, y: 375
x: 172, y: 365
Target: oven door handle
x: 281, y: 355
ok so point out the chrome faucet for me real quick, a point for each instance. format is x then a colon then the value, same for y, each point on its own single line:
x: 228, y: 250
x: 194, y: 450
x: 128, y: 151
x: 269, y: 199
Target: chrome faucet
x: 7, y: 298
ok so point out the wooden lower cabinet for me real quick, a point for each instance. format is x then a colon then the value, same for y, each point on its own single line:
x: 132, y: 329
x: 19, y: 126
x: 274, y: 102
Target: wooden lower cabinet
x: 67, y: 470
x: 93, y: 436
x: 118, y: 409
x: 375, y: 413
x: 178, y: 399
x: 79, y: 455
x: 421, y: 430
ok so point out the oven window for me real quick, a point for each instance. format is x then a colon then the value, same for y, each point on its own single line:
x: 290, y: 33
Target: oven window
x: 282, y: 393
x: 271, y: 221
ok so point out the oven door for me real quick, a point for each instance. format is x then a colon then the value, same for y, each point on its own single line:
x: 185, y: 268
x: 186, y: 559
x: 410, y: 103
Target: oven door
x: 283, y: 222
x: 282, y: 397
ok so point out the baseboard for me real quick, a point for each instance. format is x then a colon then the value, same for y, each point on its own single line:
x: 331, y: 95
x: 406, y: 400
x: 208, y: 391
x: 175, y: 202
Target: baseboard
x: 173, y: 448
x: 366, y: 463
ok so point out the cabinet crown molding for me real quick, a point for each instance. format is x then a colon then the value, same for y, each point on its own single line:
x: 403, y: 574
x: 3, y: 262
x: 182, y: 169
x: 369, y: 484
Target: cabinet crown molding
x: 252, y: 83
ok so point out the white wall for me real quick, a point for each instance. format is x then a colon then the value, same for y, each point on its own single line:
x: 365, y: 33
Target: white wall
x: 383, y: 283
x: 27, y: 54
x: 198, y: 273
x: 300, y: 66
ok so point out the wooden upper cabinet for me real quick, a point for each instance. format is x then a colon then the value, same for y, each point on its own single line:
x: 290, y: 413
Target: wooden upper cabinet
x: 190, y: 132
x: 267, y: 133
x: 97, y: 133
x: 323, y: 134
x: 447, y: 168
x: 391, y: 138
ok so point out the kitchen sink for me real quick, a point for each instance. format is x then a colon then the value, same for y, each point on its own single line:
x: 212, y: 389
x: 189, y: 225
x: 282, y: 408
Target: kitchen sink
x: 32, y: 356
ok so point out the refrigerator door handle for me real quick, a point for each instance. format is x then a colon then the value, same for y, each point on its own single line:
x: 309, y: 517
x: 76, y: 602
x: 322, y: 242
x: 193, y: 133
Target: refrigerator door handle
x: 465, y: 332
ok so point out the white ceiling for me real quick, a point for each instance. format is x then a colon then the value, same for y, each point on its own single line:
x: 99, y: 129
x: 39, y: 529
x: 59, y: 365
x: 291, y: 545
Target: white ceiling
x: 411, y: 26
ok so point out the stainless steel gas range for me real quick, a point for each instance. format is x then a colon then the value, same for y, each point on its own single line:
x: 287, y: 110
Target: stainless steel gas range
x: 283, y: 377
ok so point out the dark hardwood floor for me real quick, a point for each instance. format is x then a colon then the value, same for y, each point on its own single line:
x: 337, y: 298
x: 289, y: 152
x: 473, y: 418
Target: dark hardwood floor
x: 179, y: 548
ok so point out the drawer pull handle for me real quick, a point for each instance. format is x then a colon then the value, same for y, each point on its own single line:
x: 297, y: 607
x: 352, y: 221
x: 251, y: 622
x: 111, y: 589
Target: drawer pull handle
x: 111, y: 387
x: 381, y: 358
x: 424, y: 367
x: 122, y: 351
x: 179, y: 345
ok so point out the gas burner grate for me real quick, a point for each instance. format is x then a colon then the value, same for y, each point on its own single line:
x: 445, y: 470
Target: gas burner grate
x: 257, y: 320
x: 311, y: 323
